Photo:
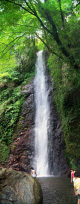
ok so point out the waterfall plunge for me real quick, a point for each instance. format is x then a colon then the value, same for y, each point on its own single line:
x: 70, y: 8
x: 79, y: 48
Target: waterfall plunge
x: 41, y: 117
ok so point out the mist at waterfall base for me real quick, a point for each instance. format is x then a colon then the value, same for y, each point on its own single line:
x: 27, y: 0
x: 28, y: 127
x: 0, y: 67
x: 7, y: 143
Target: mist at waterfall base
x: 42, y: 115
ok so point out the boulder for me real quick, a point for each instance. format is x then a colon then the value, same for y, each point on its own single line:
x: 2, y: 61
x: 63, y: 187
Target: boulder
x: 18, y: 187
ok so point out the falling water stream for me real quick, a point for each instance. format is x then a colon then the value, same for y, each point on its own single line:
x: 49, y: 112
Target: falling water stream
x: 56, y: 190
x: 41, y: 117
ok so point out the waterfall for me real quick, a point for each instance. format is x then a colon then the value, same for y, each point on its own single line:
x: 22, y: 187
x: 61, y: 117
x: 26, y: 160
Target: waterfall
x: 41, y: 117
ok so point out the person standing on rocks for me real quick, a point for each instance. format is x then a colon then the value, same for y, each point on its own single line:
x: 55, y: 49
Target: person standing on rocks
x: 33, y: 172
x: 77, y: 186
x: 72, y: 175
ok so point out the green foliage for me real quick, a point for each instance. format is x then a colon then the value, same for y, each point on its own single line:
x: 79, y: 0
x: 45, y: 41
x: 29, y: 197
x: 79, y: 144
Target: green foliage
x: 40, y: 45
x: 10, y: 105
x: 11, y: 82
x: 58, y: 21
x: 67, y: 98
x: 4, y: 152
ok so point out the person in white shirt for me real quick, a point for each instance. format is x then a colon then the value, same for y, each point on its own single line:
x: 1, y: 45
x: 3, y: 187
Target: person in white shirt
x: 33, y: 172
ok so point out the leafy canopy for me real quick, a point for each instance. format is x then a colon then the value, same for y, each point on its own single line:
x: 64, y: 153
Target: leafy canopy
x: 58, y: 21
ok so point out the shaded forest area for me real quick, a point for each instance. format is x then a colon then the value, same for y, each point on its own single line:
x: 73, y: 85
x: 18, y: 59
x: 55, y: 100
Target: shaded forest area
x: 28, y: 26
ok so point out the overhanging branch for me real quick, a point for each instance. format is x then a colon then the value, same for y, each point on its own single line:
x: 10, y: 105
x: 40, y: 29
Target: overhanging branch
x: 62, y: 17
x: 17, y: 38
x: 20, y: 5
x: 53, y: 32
x: 48, y: 47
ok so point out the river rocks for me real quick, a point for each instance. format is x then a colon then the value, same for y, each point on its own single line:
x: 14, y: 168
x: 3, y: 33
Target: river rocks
x: 18, y: 187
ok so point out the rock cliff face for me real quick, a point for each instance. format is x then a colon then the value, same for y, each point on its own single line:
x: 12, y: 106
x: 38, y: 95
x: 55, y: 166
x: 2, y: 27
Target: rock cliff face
x: 57, y: 162
x: 22, y: 148
x: 19, y: 188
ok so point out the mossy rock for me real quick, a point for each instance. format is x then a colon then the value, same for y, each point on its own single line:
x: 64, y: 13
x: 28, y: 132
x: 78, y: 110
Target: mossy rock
x: 19, y: 188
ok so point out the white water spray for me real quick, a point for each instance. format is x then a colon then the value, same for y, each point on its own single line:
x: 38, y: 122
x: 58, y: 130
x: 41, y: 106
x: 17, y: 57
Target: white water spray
x: 41, y: 117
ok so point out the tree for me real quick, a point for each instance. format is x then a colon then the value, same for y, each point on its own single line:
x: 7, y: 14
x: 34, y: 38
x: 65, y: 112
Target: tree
x: 56, y: 18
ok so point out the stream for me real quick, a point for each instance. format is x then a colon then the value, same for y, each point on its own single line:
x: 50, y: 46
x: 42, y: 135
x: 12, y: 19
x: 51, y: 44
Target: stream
x: 42, y: 116
x: 57, y: 190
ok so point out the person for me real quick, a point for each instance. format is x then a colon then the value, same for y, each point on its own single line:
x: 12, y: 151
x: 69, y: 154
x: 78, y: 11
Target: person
x: 33, y: 172
x: 77, y: 185
x: 72, y: 175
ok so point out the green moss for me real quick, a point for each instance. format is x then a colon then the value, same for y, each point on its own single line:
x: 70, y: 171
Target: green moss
x: 4, y: 152
x: 13, y: 147
x: 67, y: 98
x: 25, y: 128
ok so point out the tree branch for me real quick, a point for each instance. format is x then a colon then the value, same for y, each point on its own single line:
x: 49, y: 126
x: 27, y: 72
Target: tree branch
x: 54, y: 31
x: 62, y: 17
x: 17, y: 38
x: 57, y: 39
x: 28, y: 5
x: 35, y: 13
x: 48, y: 47
x: 20, y: 5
